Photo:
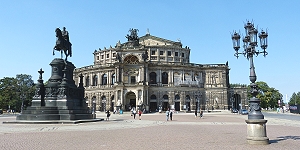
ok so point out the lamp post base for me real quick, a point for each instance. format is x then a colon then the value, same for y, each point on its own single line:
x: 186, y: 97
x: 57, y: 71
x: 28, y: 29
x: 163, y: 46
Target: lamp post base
x: 256, y: 131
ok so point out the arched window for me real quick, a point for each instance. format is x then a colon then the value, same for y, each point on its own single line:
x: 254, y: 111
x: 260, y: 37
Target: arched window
x: 87, y: 81
x: 103, y: 98
x: 152, y: 97
x: 131, y: 59
x: 187, y: 97
x: 152, y: 78
x: 95, y: 80
x: 165, y: 97
x: 164, y: 78
x: 104, y: 79
x: 112, y: 97
x: 113, y: 79
x: 177, y: 97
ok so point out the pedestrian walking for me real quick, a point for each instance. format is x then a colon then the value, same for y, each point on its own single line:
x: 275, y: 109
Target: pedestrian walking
x: 133, y: 113
x: 140, y: 114
x: 167, y: 114
x: 107, y: 115
x: 171, y: 115
x: 196, y: 113
x: 201, y: 114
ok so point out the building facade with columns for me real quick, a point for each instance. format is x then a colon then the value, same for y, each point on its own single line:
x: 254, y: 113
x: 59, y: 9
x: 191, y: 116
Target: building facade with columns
x: 153, y: 73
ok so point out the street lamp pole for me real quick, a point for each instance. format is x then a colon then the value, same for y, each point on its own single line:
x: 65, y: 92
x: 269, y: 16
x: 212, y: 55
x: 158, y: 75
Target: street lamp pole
x: 255, y: 123
x: 94, y: 104
x: 22, y: 105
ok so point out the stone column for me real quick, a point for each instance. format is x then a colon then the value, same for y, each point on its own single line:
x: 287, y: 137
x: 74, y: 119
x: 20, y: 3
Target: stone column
x: 122, y: 98
x: 172, y: 77
x: 159, y: 77
x: 116, y: 74
x: 108, y: 78
x: 142, y: 72
x: 147, y: 74
x: 169, y: 77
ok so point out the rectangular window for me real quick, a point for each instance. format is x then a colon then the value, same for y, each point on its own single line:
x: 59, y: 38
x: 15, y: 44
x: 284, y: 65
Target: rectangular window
x: 176, y: 53
x: 97, y: 57
x: 161, y: 52
x: 107, y: 55
x: 102, y: 56
x: 152, y: 52
x: 114, y: 54
x: 132, y: 79
x: 169, y: 53
x: 182, y: 54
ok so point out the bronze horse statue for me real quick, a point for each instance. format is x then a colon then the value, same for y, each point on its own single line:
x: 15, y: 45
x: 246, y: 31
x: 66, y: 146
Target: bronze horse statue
x: 63, y: 43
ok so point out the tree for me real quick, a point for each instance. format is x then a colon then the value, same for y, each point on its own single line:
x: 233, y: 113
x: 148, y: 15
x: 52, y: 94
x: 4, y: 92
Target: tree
x: 295, y: 99
x: 14, y: 90
x: 268, y: 96
x: 25, y: 90
x: 8, y: 97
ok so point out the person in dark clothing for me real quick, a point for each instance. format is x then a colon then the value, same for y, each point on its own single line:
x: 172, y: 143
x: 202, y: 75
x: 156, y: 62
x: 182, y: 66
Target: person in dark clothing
x: 195, y: 113
x: 133, y: 113
x: 140, y: 114
x: 201, y: 114
x: 107, y: 115
x: 171, y: 115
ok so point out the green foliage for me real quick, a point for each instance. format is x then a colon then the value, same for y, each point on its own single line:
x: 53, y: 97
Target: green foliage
x: 12, y: 90
x: 8, y: 88
x: 269, y: 96
x: 295, y: 99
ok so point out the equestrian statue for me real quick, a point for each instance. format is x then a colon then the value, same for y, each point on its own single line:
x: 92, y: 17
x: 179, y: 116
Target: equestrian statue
x: 63, y: 43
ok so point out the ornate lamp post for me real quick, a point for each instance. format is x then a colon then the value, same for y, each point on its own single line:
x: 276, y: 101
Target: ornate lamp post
x: 22, y: 96
x: 94, y: 107
x: 207, y: 104
x: 256, y: 128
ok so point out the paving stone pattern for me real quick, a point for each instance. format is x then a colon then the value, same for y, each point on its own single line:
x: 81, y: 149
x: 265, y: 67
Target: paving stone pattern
x: 220, y: 130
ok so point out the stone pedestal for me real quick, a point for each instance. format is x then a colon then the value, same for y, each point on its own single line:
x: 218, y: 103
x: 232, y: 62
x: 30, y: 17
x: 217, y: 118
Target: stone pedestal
x: 60, y: 99
x: 256, y: 131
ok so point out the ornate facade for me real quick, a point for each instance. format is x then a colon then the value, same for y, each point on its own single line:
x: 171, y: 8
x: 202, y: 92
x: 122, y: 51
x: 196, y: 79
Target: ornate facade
x: 153, y: 73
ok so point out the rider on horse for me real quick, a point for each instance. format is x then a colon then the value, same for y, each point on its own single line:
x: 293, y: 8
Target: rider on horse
x: 63, y: 43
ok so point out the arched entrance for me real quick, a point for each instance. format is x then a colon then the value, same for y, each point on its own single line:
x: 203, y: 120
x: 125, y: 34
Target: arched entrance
x: 177, y: 102
x: 188, y: 102
x: 103, y: 104
x: 130, y: 101
x: 236, y: 101
x: 165, y: 104
x: 153, y: 103
x: 112, y: 104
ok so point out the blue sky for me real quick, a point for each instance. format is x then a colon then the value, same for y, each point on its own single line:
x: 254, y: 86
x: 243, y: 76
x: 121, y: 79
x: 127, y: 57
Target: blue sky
x: 27, y: 34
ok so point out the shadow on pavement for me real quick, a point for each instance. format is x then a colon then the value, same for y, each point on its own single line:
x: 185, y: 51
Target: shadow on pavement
x: 282, y: 138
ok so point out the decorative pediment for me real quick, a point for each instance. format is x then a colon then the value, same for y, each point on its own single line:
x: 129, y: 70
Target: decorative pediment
x: 149, y: 40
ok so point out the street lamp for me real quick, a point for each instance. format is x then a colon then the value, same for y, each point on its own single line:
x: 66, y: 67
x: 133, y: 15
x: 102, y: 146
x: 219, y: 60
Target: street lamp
x: 198, y: 100
x: 22, y: 96
x: 207, y: 104
x: 255, y: 123
x: 231, y: 99
x: 94, y: 105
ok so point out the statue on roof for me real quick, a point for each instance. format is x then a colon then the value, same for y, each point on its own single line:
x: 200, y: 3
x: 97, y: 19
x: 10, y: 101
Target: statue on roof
x: 133, y: 35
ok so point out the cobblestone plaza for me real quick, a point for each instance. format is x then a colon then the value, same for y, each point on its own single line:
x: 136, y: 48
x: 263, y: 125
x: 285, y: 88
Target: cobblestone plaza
x: 219, y: 130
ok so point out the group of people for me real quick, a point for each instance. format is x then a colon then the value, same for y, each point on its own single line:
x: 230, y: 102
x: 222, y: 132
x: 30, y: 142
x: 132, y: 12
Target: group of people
x: 200, y: 113
x: 169, y: 113
x: 133, y: 113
